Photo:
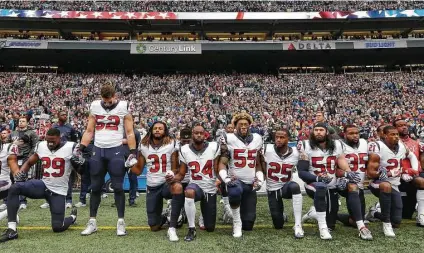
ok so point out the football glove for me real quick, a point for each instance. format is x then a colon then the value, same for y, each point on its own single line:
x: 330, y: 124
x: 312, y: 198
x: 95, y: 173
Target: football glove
x: 383, y: 174
x: 257, y: 184
x: 21, y: 176
x: 353, y: 177
x: 132, y: 159
x: 324, y: 178
x: 342, y: 183
x: 407, y: 177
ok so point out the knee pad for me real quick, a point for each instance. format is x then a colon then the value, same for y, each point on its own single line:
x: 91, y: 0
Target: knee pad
x: 247, y: 225
x: 320, y: 192
x: 294, y: 188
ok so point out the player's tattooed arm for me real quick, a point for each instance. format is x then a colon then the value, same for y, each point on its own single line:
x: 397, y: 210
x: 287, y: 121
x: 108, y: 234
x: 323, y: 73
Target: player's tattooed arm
x: 89, y: 132
x: 129, y: 130
x: 138, y: 168
x: 174, y: 162
x: 181, y: 172
x: 373, y: 165
x: 12, y: 161
x: 32, y: 160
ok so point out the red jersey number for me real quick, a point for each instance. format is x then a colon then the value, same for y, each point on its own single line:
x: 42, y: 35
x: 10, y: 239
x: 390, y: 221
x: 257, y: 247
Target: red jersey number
x: 240, y: 159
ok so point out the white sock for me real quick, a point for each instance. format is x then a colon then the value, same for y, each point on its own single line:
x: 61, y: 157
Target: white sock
x: 12, y: 225
x: 420, y: 201
x: 236, y: 215
x: 190, y: 210
x: 226, y: 201
x: 93, y: 221
x: 360, y: 224
x: 121, y: 219
x: 74, y: 217
x: 297, y: 201
x: 322, y: 223
x: 3, y: 214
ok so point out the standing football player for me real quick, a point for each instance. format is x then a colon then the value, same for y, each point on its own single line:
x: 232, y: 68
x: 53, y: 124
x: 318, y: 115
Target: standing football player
x: 245, y: 175
x: 56, y: 158
x: 108, y: 120
x: 159, y: 152
x: 384, y: 166
x: 414, y: 190
x: 200, y: 159
x: 8, y: 163
x: 317, y: 168
x: 279, y: 160
x: 356, y: 153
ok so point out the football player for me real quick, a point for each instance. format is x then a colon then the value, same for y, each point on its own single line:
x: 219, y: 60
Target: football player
x: 384, y: 166
x: 159, y: 153
x: 414, y: 190
x: 356, y: 153
x: 227, y: 216
x: 200, y: 159
x: 109, y: 118
x: 8, y: 163
x: 245, y: 175
x: 56, y: 158
x: 317, y: 168
x: 279, y: 160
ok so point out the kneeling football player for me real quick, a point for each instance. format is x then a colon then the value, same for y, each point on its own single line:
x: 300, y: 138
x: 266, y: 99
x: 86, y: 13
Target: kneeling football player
x: 200, y: 158
x: 56, y: 157
x: 279, y: 159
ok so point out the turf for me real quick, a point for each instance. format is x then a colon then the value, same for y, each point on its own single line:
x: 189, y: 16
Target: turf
x: 35, y: 234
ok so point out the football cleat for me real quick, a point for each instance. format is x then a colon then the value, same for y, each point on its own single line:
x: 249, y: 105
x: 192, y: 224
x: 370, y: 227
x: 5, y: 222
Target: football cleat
x: 370, y: 214
x: 237, y: 233
x: 120, y: 228
x: 22, y: 206
x: 91, y: 228
x: 365, y: 234
x: 324, y: 233
x: 9, y: 234
x: 104, y: 195
x: 201, y: 223
x: 45, y: 205
x: 3, y: 207
x: 420, y: 220
x: 298, y: 232
x: 388, y: 230
x: 227, y: 218
x: 191, y: 235
x: 172, y: 235
x: 68, y: 205
x: 74, y: 213
x: 80, y: 204
x: 311, y: 215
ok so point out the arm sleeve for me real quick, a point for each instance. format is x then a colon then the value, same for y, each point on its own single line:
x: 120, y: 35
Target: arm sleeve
x: 303, y: 170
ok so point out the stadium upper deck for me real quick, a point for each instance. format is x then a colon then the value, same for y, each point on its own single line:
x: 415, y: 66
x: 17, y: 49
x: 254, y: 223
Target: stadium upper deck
x: 214, y: 6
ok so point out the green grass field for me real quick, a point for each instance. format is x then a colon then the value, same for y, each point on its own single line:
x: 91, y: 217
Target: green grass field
x: 35, y: 234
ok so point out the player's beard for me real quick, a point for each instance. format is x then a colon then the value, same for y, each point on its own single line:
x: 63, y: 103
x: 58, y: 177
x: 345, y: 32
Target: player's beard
x: 198, y: 142
x: 315, y: 138
x: 352, y: 143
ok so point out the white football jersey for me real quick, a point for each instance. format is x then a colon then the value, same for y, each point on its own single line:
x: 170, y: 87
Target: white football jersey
x: 186, y: 178
x: 109, y: 130
x: 357, y: 158
x: 201, y: 165
x: 56, y: 166
x: 388, y: 159
x: 158, y: 162
x: 322, y: 161
x: 242, y: 163
x: 279, y: 168
x: 7, y: 150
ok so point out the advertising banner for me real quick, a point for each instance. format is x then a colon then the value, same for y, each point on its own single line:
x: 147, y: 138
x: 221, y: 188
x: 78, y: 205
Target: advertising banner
x: 28, y: 44
x: 373, y: 44
x: 309, y: 45
x: 166, y: 48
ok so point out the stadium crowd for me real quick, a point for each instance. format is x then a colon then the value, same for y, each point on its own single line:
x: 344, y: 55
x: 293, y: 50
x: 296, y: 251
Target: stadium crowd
x: 213, y: 6
x: 291, y: 100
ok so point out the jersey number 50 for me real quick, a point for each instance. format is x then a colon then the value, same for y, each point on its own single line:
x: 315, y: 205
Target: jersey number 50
x: 57, y: 164
x: 324, y: 166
